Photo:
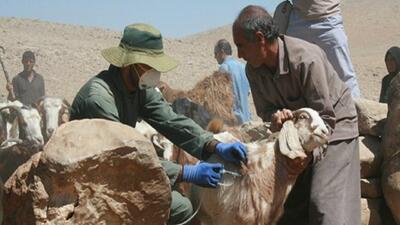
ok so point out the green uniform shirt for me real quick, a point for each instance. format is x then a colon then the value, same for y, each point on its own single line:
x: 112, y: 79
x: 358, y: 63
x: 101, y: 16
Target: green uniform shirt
x: 105, y: 96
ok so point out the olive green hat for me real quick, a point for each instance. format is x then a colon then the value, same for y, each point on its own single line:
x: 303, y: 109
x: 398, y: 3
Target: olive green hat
x: 140, y: 43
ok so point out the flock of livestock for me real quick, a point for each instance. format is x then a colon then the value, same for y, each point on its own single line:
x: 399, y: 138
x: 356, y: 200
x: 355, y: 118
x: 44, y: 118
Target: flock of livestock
x: 25, y: 129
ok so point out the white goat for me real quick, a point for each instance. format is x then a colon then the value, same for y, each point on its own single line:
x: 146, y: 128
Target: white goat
x: 29, y: 140
x: 54, y: 112
x: 8, y: 130
x: 162, y: 144
x: 257, y: 196
x: 27, y: 122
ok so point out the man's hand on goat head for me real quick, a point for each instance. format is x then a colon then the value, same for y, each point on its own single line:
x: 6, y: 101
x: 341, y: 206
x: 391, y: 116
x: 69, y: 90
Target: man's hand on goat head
x: 232, y: 152
x: 279, y: 117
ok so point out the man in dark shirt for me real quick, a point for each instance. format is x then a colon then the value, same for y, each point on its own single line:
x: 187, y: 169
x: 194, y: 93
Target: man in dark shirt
x: 28, y: 86
x: 125, y: 93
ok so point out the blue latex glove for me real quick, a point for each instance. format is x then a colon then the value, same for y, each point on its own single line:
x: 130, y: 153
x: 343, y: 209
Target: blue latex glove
x: 234, y: 152
x: 202, y: 174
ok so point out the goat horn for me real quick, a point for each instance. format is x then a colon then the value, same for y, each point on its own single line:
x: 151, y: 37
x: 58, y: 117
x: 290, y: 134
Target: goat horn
x: 39, y: 102
x: 66, y: 103
x: 12, y: 140
x: 15, y: 108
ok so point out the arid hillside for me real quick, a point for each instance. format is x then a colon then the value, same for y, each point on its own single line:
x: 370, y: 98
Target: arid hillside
x: 68, y: 55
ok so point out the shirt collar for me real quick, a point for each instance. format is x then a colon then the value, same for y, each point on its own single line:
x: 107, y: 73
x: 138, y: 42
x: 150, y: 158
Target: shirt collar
x: 119, y: 82
x: 25, y: 74
x: 283, y: 62
x: 228, y: 58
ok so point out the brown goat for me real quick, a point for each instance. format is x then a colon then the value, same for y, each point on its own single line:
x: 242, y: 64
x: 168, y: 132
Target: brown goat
x: 258, y: 195
x: 214, y: 93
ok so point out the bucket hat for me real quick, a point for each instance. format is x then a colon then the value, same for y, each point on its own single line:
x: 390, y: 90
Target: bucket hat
x: 140, y: 43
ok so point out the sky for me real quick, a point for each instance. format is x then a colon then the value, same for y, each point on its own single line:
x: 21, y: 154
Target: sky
x: 174, y: 18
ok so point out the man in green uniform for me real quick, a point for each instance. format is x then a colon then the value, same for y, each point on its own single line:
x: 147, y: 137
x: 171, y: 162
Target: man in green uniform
x: 125, y: 93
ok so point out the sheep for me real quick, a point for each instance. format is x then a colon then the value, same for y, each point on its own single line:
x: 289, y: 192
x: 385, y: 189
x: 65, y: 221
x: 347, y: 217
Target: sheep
x: 54, y: 112
x: 256, y: 197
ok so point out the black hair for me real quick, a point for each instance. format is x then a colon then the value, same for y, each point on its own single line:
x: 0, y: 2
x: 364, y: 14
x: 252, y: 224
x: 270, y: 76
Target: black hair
x: 28, y: 55
x: 223, y: 45
x: 255, y: 18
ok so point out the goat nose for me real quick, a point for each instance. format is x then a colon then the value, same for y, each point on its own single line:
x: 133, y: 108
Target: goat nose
x: 39, y: 140
x: 50, y: 131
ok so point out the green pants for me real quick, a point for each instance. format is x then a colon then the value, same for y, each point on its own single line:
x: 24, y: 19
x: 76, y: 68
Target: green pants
x: 181, y: 209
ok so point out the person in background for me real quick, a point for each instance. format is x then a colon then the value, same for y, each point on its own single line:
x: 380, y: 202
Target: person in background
x: 392, y: 61
x: 28, y: 86
x: 321, y: 23
x: 125, y: 93
x: 286, y: 74
x: 240, y: 84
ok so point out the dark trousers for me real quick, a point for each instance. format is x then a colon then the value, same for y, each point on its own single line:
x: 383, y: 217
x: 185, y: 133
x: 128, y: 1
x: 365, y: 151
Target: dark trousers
x: 181, y: 208
x: 328, y: 192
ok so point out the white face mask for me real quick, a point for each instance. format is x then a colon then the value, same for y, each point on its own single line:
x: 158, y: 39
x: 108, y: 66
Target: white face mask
x: 150, y: 79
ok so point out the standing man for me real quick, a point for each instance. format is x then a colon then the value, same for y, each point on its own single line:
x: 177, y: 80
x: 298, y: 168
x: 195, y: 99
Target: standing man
x: 321, y: 23
x: 286, y: 74
x: 125, y: 93
x: 240, y: 84
x: 28, y: 86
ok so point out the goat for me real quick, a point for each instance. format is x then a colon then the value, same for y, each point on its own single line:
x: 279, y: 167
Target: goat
x: 163, y: 146
x: 29, y: 141
x: 256, y: 197
x: 214, y: 93
x: 54, y: 112
x: 7, y: 121
x: 27, y: 121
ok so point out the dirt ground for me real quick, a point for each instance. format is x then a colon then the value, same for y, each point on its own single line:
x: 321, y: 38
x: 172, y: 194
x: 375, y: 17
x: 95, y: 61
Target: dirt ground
x: 68, y: 55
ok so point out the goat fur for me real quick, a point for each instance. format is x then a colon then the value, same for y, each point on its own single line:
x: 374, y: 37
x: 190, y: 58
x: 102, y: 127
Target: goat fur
x: 214, y: 93
x: 257, y: 197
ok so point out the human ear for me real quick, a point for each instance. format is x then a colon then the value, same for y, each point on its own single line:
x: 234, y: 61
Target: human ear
x: 260, y: 36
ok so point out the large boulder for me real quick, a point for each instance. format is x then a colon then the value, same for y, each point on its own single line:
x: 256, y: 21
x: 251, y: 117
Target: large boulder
x: 391, y: 151
x: 391, y: 185
x: 371, y: 117
x: 370, y: 209
x: 90, y: 172
x: 371, y: 188
x: 371, y: 156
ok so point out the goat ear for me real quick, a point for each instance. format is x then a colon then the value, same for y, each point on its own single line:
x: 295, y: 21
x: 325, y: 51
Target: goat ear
x: 155, y: 139
x: 64, y: 117
x: 289, y: 142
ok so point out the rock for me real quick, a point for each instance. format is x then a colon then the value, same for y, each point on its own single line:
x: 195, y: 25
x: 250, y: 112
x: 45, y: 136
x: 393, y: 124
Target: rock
x: 391, y: 185
x: 391, y: 151
x: 371, y: 188
x: 371, y: 117
x: 90, y: 172
x: 371, y: 156
x: 386, y: 215
x: 370, y: 211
